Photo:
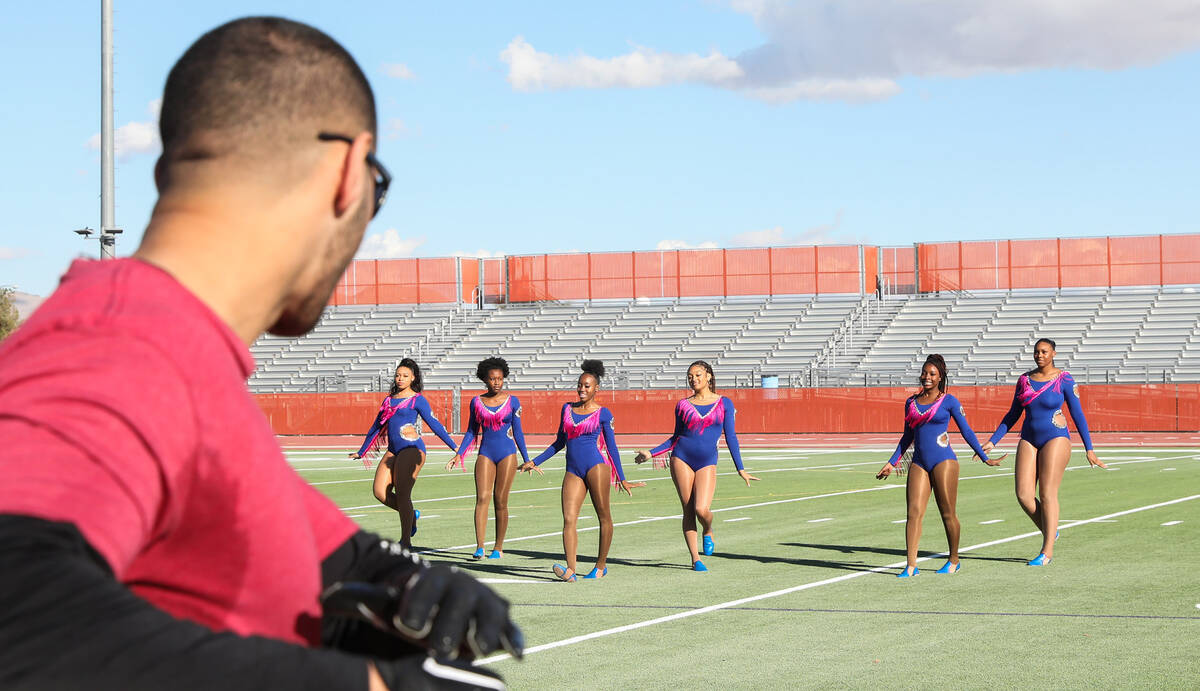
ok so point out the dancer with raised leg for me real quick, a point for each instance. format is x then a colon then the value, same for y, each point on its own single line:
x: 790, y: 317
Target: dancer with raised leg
x: 585, y: 429
x: 934, y: 466
x: 396, y: 426
x: 700, y: 420
x: 1045, y: 446
x: 495, y: 423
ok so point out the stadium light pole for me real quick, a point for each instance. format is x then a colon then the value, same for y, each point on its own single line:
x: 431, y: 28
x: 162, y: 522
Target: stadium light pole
x: 108, y: 229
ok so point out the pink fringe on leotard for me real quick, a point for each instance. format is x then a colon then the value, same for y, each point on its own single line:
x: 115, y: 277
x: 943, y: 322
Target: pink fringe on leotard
x: 694, y: 421
x: 915, y: 418
x: 386, y: 411
x: 1026, y: 393
x: 487, y: 418
x: 589, y: 425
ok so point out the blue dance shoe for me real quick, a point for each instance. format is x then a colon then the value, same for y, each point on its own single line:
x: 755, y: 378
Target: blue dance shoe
x: 416, y: 515
x: 496, y: 554
x: 699, y: 566
x: 950, y: 567
x: 562, y: 571
x: 597, y: 573
x: 1039, y: 560
x: 709, y: 545
x: 905, y: 573
x: 478, y: 554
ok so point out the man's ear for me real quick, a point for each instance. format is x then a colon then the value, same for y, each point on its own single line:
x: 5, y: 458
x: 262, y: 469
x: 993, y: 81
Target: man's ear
x: 351, y: 184
x: 160, y: 174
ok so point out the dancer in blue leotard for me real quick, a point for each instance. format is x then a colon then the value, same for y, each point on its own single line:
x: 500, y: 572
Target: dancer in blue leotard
x: 1045, y: 446
x: 700, y: 420
x: 593, y: 463
x: 495, y: 423
x: 934, y: 466
x: 396, y: 426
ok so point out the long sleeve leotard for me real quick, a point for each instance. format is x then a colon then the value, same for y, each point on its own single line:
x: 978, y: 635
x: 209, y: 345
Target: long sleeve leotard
x: 397, y: 419
x: 697, y: 431
x: 1042, y: 404
x: 497, y: 428
x: 927, y: 428
x: 589, y: 441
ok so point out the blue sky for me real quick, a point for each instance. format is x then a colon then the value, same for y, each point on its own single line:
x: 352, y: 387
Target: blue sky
x: 516, y: 128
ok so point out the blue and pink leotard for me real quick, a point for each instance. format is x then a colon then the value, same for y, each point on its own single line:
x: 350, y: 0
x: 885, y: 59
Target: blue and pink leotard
x: 396, y: 425
x: 589, y: 441
x: 1042, y: 402
x: 497, y: 429
x: 927, y: 428
x: 697, y: 431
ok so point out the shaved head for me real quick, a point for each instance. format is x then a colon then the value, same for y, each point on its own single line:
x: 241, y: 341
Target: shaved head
x: 256, y: 89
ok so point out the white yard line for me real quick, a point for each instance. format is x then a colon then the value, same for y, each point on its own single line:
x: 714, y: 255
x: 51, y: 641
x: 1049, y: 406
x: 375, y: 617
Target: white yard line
x: 806, y: 586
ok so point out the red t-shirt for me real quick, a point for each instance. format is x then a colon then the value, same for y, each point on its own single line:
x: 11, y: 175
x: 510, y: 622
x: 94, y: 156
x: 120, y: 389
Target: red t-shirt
x: 124, y: 411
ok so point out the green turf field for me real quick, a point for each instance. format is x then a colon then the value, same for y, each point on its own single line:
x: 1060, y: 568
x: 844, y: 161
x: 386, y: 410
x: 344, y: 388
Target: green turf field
x: 801, y: 591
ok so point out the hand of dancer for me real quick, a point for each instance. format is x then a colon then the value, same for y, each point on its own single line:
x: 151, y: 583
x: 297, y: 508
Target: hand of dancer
x: 355, y: 455
x: 987, y: 447
x: 747, y: 477
x: 625, y: 486
x: 990, y: 459
x: 1092, y: 460
x: 883, y: 473
x: 453, y: 462
x: 642, y: 456
x: 528, y: 466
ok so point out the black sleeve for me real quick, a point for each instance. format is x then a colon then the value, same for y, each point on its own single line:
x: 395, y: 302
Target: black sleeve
x: 65, y: 622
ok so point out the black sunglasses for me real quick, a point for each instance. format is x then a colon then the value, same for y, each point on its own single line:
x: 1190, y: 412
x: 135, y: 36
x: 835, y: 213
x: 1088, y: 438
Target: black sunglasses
x: 382, y: 179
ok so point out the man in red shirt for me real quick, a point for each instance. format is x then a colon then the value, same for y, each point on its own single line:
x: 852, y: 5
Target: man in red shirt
x: 152, y: 534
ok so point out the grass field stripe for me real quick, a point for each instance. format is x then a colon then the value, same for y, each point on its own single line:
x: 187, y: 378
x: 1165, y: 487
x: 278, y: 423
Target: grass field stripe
x: 994, y: 520
x: 819, y: 610
x: 559, y: 489
x: 807, y: 586
x: 775, y: 502
x: 673, y: 517
x: 820, y: 520
x: 1172, y: 523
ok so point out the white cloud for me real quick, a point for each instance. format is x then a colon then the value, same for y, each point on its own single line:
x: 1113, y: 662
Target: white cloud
x: 13, y: 252
x: 857, y: 50
x: 395, y: 128
x: 398, y: 70
x: 684, y: 245
x: 389, y: 245
x: 139, y: 137
x: 532, y: 70
x: 823, y: 234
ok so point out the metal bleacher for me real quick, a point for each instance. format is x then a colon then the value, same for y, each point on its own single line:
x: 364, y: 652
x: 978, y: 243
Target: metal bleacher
x: 1103, y: 335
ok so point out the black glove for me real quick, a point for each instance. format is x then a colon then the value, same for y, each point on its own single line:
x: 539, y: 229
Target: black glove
x: 439, y: 606
x: 428, y: 673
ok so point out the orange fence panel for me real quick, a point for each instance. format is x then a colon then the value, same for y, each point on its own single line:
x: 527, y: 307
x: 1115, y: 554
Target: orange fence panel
x: 610, y: 275
x: 986, y: 265
x: 656, y: 274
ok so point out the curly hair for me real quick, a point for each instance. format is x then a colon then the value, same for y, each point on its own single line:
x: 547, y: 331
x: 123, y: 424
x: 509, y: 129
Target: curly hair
x: 412, y: 365
x: 486, y: 365
x: 594, y: 368
x: 940, y: 363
